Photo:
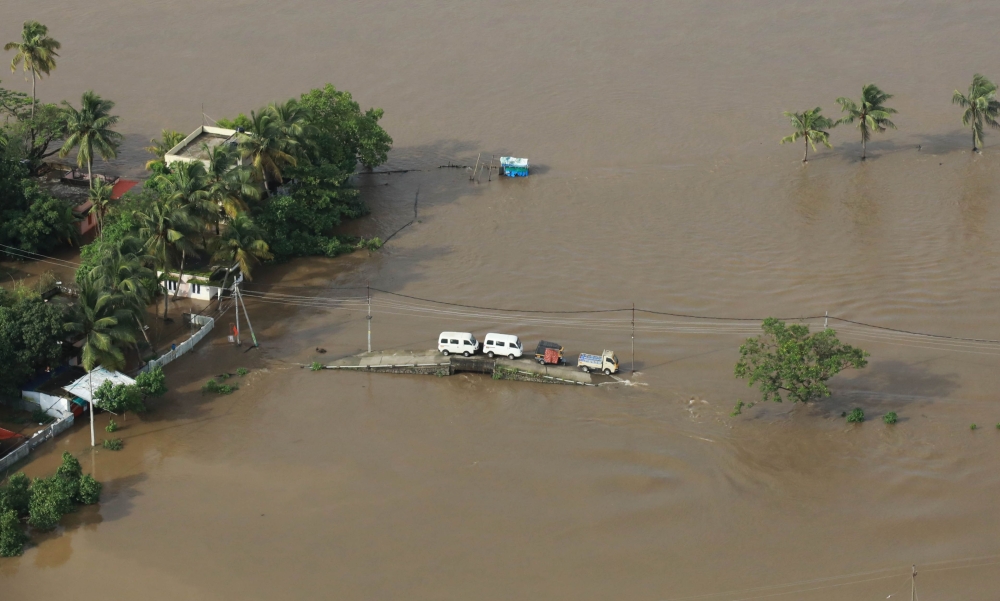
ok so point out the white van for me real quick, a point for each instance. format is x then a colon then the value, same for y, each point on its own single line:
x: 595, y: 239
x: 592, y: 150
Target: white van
x: 503, y: 345
x: 460, y: 343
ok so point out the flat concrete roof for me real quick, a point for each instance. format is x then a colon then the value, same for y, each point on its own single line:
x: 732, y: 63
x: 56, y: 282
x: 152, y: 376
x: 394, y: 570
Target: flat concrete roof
x: 192, y: 148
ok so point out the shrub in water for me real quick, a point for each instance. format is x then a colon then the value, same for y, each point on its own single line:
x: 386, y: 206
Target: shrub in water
x: 210, y: 386
x: 90, y: 490
x: 152, y: 382
x: 226, y: 389
x: 973, y: 427
x: 242, y: 371
x: 890, y: 418
x: 112, y: 426
x: 17, y: 494
x: 856, y: 416
x: 316, y: 366
x: 70, y: 467
x: 223, y: 377
x: 113, y: 444
x: 119, y: 398
x: 40, y: 417
x: 12, y: 534
x: 50, y: 500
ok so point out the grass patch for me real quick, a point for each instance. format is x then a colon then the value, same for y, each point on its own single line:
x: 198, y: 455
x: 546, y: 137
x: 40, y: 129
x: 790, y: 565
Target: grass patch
x: 242, y: 371
x: 113, y: 444
x: 316, y: 366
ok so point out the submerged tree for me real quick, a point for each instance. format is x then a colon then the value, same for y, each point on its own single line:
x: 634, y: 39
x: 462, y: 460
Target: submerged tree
x: 870, y: 113
x: 36, y: 52
x: 100, y: 196
x: 90, y: 129
x: 788, y: 358
x: 810, y: 125
x: 981, y: 106
x: 159, y: 148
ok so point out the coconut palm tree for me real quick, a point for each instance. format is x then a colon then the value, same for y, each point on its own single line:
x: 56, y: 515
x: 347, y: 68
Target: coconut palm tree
x: 121, y: 270
x: 981, y: 106
x: 187, y: 186
x: 164, y: 227
x: 100, y: 196
x: 90, y: 129
x: 812, y: 126
x: 268, y: 146
x: 36, y: 52
x: 241, y: 243
x: 96, y: 317
x: 871, y: 114
x: 235, y: 191
x: 159, y: 148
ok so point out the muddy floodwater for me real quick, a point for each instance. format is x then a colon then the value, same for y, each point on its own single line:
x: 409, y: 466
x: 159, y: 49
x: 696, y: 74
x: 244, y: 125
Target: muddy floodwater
x: 652, y: 130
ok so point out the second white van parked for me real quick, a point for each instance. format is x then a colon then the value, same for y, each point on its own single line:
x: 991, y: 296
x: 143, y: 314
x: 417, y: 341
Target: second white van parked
x: 503, y: 345
x: 460, y: 343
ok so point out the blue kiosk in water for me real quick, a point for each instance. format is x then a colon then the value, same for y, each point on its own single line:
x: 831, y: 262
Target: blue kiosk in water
x: 514, y: 167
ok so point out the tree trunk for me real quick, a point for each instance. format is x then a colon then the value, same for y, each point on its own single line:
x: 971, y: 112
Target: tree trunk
x: 974, y: 149
x: 221, y: 290
x: 90, y: 174
x: 144, y: 334
x: 32, y: 94
x: 805, y: 157
x: 864, y: 148
x: 180, y: 277
x: 166, y: 293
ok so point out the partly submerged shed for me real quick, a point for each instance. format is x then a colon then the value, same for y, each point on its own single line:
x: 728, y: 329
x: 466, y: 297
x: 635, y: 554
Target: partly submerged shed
x: 92, y: 381
x: 514, y: 167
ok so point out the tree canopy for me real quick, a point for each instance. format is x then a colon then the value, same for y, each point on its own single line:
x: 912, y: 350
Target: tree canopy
x: 810, y: 125
x: 789, y: 359
x: 981, y: 107
x: 870, y: 113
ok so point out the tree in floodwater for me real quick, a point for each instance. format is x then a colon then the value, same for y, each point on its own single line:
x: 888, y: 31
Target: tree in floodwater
x: 90, y: 129
x: 788, y: 358
x: 870, y: 113
x: 36, y: 52
x: 981, y: 106
x: 812, y: 126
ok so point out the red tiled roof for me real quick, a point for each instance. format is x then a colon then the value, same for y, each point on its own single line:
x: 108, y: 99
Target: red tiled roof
x: 121, y: 187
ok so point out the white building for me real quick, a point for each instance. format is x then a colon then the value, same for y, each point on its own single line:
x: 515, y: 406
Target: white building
x: 192, y: 148
x: 194, y: 285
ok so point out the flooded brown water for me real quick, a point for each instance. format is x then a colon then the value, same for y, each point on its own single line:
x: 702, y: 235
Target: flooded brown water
x: 658, y: 179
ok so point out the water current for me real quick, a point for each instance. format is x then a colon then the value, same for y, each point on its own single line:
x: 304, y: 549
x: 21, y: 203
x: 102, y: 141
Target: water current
x: 652, y: 130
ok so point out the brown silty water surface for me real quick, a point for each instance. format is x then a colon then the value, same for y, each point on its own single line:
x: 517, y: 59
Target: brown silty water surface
x: 652, y: 128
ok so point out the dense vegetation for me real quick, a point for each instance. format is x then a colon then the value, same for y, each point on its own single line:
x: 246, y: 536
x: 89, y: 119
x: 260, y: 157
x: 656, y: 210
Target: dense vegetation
x: 42, y: 502
x: 277, y: 193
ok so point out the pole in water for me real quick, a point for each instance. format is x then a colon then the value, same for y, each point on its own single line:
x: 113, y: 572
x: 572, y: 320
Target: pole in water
x: 247, y: 315
x: 369, y: 288
x: 826, y: 319
x: 913, y: 583
x: 476, y: 168
x: 236, y: 293
x: 633, y: 337
x: 490, y: 177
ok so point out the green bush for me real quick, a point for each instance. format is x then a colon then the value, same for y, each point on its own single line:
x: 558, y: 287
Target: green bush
x: 856, y: 416
x: 90, y: 490
x: 111, y: 427
x: 316, y: 366
x: 51, y: 499
x: 223, y: 377
x: 152, y: 382
x: 227, y: 389
x: 242, y: 371
x: 17, y: 494
x: 113, y: 444
x: 70, y: 467
x: 890, y: 418
x: 210, y: 386
x: 973, y: 427
x: 12, y: 534
x: 119, y: 398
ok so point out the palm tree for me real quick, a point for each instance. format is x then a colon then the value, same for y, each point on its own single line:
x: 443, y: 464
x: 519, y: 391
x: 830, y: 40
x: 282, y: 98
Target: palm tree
x: 36, y: 52
x: 90, y: 129
x: 267, y: 145
x: 121, y: 270
x: 159, y: 148
x: 871, y: 113
x: 100, y: 196
x: 163, y: 227
x: 187, y: 187
x: 235, y: 191
x: 240, y: 243
x: 101, y: 324
x: 980, y: 106
x: 812, y: 126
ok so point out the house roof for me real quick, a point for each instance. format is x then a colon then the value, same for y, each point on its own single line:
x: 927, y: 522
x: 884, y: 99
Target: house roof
x: 121, y: 187
x: 82, y: 386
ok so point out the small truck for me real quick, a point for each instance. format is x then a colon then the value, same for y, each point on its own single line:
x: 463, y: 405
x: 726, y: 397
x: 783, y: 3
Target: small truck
x: 606, y: 362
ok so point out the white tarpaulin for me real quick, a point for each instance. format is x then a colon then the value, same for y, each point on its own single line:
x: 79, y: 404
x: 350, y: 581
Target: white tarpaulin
x: 82, y: 387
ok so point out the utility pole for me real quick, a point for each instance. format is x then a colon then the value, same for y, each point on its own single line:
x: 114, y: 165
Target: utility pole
x: 633, y: 338
x: 236, y: 292
x: 246, y: 313
x: 826, y: 320
x: 90, y: 374
x: 369, y: 288
x: 913, y: 584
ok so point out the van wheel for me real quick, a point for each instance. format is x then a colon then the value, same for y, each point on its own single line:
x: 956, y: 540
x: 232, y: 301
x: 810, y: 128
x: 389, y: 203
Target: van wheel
x: 511, y: 356
x: 585, y: 369
x: 607, y: 371
x: 445, y: 353
x: 490, y: 354
x: 465, y: 354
